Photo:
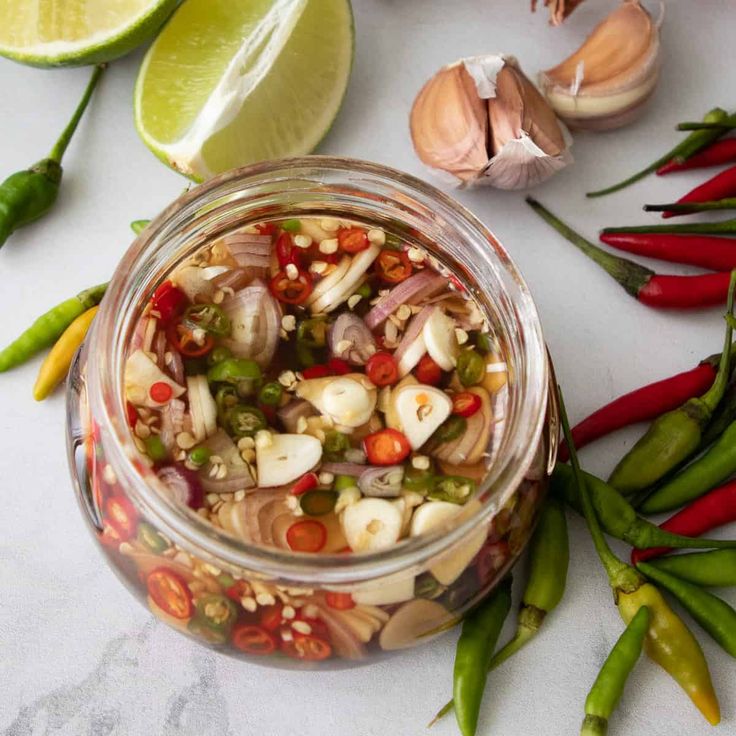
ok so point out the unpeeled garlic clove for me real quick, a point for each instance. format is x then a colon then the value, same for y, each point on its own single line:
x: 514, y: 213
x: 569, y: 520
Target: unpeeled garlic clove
x: 607, y: 81
x: 483, y: 122
x: 558, y: 9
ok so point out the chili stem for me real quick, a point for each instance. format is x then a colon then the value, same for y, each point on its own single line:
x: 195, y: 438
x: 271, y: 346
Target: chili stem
x: 706, y: 228
x: 611, y: 563
x: 717, y: 204
x: 704, y: 126
x: 630, y: 275
x: 57, y: 152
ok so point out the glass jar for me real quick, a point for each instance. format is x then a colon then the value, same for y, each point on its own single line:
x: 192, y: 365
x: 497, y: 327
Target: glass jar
x: 279, y: 607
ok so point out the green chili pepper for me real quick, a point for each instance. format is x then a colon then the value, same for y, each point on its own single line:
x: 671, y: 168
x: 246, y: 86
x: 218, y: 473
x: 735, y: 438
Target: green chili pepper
x: 364, y: 290
x: 138, y: 226
x: 199, y: 456
x: 419, y: 481
x: 312, y: 333
x: 712, y: 613
x: 318, y: 503
x: 334, y: 446
x: 305, y: 356
x: 714, y: 569
x: 669, y: 642
x: 618, y: 517
x: 452, y: 488
x: 609, y: 685
x: 218, y: 354
x: 271, y: 394
x: 155, y: 448
x: 707, y: 472
x: 549, y: 557
x: 226, y: 398
x: 471, y: 368
x: 681, y: 152
x: 47, y: 329
x: 150, y: 538
x: 242, y: 373
x: 452, y: 428
x: 217, y: 612
x: 345, y: 481
x: 245, y: 421
x: 426, y: 585
x: 291, y: 226
x: 485, y: 343
x: 28, y: 195
x: 475, y: 646
x: 208, y: 317
x: 675, y: 436
x: 226, y: 580
x: 199, y: 628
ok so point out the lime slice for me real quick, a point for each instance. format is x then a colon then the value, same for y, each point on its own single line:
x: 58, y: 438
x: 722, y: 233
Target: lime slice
x: 231, y: 82
x: 73, y: 32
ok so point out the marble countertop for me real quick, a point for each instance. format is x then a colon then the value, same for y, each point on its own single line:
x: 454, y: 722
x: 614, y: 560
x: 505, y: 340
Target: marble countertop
x: 79, y: 656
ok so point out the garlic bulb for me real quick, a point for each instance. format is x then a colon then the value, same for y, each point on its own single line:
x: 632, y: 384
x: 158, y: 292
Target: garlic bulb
x: 481, y: 121
x: 607, y: 81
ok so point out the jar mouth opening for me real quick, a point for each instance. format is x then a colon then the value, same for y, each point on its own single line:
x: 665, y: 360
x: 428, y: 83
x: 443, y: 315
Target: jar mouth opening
x: 192, y: 220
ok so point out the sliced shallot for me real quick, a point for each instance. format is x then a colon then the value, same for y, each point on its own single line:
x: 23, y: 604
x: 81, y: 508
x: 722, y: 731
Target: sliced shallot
x: 182, y: 485
x: 416, y: 288
x: 351, y: 340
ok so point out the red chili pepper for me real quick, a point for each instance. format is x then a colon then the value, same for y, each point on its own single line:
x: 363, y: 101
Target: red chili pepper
x: 291, y: 291
x: 654, y: 290
x: 304, y: 484
x: 121, y: 515
x: 182, y: 338
x: 393, y: 266
x: 716, y: 508
x: 352, y: 239
x: 169, y: 301
x: 382, y: 369
x: 266, y: 228
x: 466, y: 403
x: 386, y: 447
x: 286, y: 251
x: 427, y: 371
x: 338, y: 366
x: 131, y: 413
x: 721, y: 186
x: 316, y: 371
x: 644, y: 404
x: 253, y: 639
x: 339, y: 601
x: 720, y: 152
x: 306, y: 536
x: 706, y: 251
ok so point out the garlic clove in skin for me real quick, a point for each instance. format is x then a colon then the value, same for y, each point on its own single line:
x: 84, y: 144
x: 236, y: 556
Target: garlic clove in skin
x: 481, y: 121
x: 607, y: 81
x: 558, y: 9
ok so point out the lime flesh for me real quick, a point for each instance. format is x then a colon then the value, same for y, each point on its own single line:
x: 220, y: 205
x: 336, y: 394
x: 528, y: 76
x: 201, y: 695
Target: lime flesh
x: 232, y: 82
x: 74, y: 32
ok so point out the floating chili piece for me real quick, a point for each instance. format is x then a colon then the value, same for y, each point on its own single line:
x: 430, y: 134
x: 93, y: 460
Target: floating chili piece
x: 307, y: 647
x: 386, y: 447
x: 714, y: 569
x: 28, y: 195
x: 673, y: 437
x: 352, y: 239
x: 306, y: 483
x: 721, y: 186
x: 291, y: 291
x: 650, y: 288
x: 716, y: 154
x: 712, y: 613
x: 121, y: 515
x: 480, y: 632
x: 339, y: 601
x: 382, y: 369
x: 688, y: 147
x: 427, y: 371
x: 393, y: 266
x: 668, y: 642
x: 168, y: 301
x: 286, y: 252
x: 170, y: 592
x: 306, y: 536
x: 338, y: 367
x: 713, y: 467
x: 705, y: 251
x: 466, y: 403
x: 252, y: 639
x: 709, y: 512
x: 609, y: 685
x: 644, y: 404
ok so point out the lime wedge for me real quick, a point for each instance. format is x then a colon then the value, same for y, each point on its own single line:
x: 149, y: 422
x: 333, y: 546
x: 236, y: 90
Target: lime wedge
x: 73, y: 32
x: 231, y: 82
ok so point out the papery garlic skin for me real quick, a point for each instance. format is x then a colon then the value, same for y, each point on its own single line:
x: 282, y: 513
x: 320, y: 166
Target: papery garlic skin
x: 606, y: 83
x: 481, y: 121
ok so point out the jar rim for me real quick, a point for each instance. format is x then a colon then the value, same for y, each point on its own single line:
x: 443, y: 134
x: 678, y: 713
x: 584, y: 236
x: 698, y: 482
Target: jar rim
x: 106, y: 388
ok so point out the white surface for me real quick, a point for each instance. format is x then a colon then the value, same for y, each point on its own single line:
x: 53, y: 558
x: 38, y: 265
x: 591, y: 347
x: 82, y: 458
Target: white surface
x: 79, y: 656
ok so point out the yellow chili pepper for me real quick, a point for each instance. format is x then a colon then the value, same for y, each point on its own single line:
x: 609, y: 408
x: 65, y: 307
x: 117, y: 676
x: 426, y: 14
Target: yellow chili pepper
x: 54, y: 369
x: 673, y: 647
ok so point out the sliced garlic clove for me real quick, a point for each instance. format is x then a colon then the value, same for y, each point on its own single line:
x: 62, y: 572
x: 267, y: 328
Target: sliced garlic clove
x: 285, y: 458
x: 607, y: 81
x: 449, y: 125
x: 372, y: 524
x: 421, y: 409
